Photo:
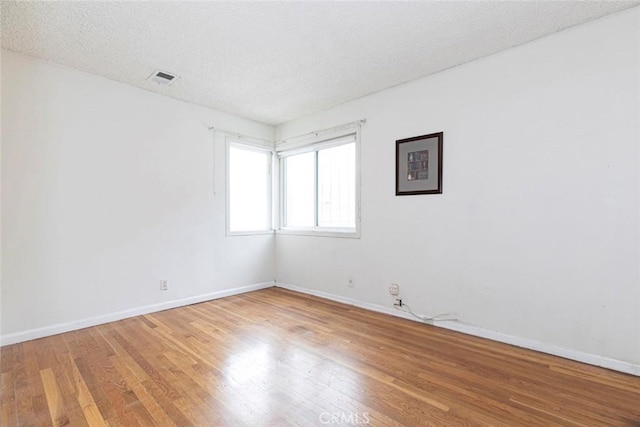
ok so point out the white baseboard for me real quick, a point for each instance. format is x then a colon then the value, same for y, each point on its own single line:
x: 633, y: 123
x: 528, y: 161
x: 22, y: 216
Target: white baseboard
x: 591, y: 359
x: 111, y: 317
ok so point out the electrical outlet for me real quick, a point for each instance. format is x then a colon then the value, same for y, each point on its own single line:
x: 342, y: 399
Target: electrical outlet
x: 164, y: 285
x: 351, y: 281
x: 394, y: 289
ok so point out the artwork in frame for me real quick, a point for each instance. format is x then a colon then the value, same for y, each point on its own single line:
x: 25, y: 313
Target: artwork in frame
x: 419, y: 165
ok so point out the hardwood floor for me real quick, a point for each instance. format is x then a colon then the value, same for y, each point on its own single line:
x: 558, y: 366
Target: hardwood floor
x: 276, y: 357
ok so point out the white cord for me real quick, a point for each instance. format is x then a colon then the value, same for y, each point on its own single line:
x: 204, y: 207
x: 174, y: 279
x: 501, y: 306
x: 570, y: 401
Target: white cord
x: 436, y: 318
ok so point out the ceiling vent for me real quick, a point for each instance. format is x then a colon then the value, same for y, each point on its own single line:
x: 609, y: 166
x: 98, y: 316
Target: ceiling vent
x: 162, y: 78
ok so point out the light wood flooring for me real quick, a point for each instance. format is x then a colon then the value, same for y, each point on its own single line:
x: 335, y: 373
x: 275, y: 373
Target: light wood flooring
x: 276, y: 357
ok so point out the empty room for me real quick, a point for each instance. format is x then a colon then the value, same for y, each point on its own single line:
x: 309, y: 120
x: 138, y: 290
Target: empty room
x: 323, y: 213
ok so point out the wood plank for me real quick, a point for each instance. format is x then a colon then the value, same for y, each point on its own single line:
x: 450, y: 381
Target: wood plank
x: 8, y: 410
x: 54, y: 401
x: 85, y: 399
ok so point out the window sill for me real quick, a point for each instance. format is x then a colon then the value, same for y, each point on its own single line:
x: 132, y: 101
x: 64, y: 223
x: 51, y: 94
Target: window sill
x: 249, y: 233
x: 320, y: 232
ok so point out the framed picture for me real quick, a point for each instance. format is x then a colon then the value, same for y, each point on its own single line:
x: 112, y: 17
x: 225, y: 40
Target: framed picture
x: 419, y: 165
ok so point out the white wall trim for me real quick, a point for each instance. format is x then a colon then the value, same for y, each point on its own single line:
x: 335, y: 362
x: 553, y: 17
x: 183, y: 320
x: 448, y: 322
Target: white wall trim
x: 591, y: 359
x: 46, y: 331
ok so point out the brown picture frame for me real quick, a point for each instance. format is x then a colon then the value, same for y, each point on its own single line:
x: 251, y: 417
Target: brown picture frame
x: 419, y: 165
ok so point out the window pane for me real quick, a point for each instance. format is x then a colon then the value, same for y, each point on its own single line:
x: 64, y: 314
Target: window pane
x: 248, y: 189
x: 299, y: 191
x: 337, y: 186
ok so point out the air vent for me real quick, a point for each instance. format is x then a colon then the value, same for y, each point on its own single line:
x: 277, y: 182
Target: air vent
x: 162, y: 78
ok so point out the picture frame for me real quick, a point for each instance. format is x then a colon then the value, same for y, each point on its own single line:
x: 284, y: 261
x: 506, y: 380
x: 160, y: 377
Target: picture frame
x: 419, y: 165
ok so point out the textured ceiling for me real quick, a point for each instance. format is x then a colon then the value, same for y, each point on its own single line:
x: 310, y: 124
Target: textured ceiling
x: 276, y: 61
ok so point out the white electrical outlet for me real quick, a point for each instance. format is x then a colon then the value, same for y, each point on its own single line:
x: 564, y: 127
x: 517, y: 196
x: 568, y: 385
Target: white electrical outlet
x: 351, y: 281
x: 164, y: 285
x: 394, y: 289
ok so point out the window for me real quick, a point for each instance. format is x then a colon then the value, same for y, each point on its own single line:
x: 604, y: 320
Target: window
x: 337, y: 186
x: 249, y: 189
x: 319, y: 187
x: 299, y: 193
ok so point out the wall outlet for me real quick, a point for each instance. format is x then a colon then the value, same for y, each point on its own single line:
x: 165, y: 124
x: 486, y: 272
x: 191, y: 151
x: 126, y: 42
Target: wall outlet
x: 164, y: 285
x: 351, y: 281
x: 394, y: 289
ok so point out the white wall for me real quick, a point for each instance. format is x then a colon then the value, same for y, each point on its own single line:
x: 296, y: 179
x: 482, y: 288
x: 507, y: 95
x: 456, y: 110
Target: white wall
x: 537, y: 233
x: 106, y: 190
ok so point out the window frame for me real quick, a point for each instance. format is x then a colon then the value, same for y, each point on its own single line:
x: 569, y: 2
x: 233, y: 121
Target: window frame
x: 258, y: 147
x: 320, y: 141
